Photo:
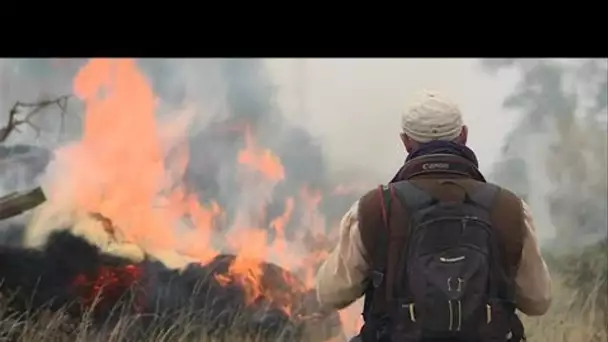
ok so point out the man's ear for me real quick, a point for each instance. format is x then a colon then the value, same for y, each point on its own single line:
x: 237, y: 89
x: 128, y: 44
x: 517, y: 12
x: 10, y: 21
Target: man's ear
x: 408, y: 142
x: 464, y: 135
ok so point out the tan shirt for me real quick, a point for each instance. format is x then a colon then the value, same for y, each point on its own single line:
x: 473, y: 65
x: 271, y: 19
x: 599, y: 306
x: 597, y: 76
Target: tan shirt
x: 341, y: 278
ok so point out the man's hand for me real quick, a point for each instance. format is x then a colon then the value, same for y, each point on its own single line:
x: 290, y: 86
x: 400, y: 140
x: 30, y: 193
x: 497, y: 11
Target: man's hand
x: 312, y: 308
x: 324, y: 322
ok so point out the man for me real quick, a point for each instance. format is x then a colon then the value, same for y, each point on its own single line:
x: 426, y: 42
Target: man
x: 379, y: 252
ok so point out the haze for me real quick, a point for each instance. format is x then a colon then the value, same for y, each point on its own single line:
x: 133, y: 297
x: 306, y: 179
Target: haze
x: 354, y: 106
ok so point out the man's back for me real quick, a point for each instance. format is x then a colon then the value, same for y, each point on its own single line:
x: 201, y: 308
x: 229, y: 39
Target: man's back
x: 346, y: 274
x: 374, y: 233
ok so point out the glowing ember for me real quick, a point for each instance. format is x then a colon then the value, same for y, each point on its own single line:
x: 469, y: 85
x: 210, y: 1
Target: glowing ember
x: 105, y: 288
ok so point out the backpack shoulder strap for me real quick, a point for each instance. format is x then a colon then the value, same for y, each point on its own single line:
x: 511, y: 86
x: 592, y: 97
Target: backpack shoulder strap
x: 380, y: 256
x: 381, y: 250
x: 485, y: 195
x: 413, y: 197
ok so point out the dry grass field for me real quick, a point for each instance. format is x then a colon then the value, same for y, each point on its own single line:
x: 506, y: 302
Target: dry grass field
x: 44, y: 326
x: 567, y: 321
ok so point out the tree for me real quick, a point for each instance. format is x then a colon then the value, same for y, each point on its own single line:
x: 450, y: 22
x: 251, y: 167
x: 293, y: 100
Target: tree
x: 551, y: 95
x: 34, y: 159
x: 567, y: 102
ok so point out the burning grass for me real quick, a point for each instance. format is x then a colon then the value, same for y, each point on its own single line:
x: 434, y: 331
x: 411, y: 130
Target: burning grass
x: 565, y: 322
x: 176, y: 249
x: 72, y: 288
x: 128, y: 171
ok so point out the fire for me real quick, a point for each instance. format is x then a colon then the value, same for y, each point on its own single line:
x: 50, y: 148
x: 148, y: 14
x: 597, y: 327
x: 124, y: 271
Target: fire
x: 279, y: 224
x: 254, y: 244
x: 107, y: 286
x: 120, y: 164
x: 261, y: 160
x: 125, y: 170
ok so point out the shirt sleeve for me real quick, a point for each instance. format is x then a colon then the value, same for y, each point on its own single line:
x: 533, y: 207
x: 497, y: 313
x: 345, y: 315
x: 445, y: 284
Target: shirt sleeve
x: 533, y: 281
x: 341, y: 279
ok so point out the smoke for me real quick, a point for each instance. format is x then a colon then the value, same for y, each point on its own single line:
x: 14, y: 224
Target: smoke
x: 350, y: 121
x: 354, y: 107
x: 331, y: 122
x: 555, y: 156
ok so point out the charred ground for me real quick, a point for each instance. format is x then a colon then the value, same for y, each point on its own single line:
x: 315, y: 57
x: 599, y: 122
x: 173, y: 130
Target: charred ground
x: 72, y: 276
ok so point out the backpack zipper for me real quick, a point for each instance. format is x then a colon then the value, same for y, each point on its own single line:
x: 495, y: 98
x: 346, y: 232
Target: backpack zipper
x: 451, y: 315
x: 459, y: 316
x: 458, y: 312
x: 451, y: 260
x: 488, y: 313
x: 412, y: 314
x: 410, y: 308
x: 462, y: 219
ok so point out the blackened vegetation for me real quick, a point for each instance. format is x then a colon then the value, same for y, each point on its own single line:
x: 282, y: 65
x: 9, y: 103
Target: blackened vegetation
x: 72, y: 275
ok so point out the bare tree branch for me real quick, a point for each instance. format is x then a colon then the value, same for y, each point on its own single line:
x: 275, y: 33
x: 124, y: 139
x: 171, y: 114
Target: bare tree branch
x: 14, y: 121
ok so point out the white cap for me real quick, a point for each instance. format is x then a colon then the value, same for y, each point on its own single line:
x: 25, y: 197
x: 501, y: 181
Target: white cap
x: 431, y: 116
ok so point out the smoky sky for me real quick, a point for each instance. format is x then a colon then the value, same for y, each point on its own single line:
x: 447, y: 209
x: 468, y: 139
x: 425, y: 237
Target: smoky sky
x: 350, y: 107
x: 354, y: 105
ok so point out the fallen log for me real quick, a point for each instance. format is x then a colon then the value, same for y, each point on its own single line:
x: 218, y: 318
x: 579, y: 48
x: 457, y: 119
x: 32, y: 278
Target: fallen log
x: 18, y: 202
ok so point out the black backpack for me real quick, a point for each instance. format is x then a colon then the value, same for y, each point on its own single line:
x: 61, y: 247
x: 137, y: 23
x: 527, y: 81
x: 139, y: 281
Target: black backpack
x: 449, y: 283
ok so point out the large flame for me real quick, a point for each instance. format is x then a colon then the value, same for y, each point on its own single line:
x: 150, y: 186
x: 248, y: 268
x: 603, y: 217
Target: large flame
x: 128, y: 168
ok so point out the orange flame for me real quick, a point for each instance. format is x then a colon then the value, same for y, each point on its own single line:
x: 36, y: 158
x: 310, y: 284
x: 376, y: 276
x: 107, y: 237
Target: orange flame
x: 120, y: 162
x: 261, y: 160
x: 126, y: 172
